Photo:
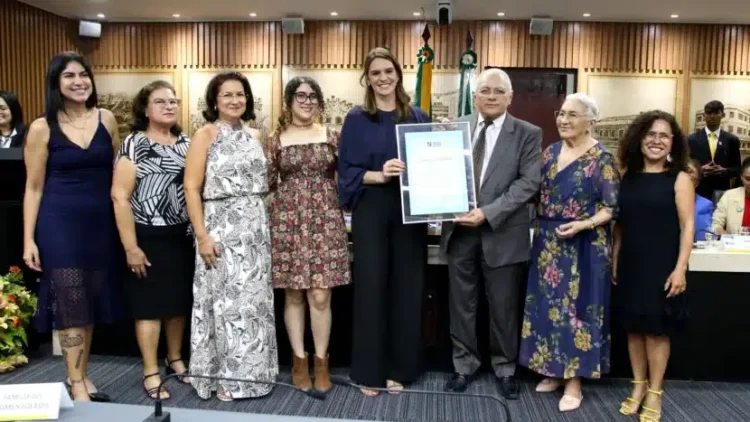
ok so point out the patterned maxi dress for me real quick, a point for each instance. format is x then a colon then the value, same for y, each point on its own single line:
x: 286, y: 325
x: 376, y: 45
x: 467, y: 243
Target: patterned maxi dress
x: 565, y: 329
x: 233, y: 328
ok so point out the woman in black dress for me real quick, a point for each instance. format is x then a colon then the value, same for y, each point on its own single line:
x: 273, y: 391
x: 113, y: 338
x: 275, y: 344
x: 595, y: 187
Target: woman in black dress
x: 149, y: 201
x: 653, y: 240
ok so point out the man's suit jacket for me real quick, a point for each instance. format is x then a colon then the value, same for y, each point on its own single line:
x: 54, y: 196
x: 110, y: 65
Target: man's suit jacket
x: 512, y: 178
x: 727, y: 155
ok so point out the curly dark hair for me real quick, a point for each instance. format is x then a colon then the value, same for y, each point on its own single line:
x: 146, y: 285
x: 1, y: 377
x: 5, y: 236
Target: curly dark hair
x: 211, y: 113
x: 140, y: 104
x: 289, y: 91
x: 629, y: 152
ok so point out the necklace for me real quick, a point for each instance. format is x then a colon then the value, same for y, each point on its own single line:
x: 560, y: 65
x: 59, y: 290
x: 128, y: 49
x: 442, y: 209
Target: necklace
x: 233, y: 126
x: 85, y: 118
x: 303, y: 126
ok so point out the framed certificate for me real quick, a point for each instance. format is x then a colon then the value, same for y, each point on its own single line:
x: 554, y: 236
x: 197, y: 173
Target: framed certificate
x: 438, y: 183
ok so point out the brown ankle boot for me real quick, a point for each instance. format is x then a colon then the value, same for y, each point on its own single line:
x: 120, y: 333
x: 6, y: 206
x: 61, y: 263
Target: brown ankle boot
x: 322, y: 374
x: 301, y: 372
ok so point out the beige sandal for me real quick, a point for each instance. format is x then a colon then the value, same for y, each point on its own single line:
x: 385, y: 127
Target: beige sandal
x: 394, y: 388
x: 568, y: 403
x: 369, y: 393
x: 548, y: 385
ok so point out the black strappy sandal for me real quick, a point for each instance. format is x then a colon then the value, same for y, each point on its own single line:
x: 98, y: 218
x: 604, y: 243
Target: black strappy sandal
x: 181, y: 377
x: 95, y: 395
x: 155, y: 392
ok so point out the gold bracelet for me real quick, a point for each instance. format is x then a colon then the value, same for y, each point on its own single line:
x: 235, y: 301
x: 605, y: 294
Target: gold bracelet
x: 200, y: 242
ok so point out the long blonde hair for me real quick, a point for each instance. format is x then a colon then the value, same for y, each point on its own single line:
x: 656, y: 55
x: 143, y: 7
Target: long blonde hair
x: 403, y: 110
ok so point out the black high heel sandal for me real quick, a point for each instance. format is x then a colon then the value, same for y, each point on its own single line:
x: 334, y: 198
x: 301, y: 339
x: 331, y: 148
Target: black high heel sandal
x: 181, y: 377
x: 155, y: 392
x: 95, y: 395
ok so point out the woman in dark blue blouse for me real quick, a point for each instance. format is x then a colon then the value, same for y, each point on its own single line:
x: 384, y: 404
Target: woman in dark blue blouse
x: 389, y: 257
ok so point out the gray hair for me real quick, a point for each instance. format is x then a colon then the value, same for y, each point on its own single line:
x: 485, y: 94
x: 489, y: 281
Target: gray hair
x: 592, y: 109
x: 494, y: 72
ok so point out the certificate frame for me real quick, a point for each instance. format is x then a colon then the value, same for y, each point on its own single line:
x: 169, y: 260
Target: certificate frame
x: 439, y: 152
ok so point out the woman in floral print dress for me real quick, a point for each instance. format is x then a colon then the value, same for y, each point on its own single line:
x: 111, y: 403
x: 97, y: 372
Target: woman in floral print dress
x: 565, y: 332
x: 308, y: 235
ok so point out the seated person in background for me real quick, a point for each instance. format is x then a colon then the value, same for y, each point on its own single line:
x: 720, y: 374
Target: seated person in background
x: 703, y: 207
x: 12, y: 130
x: 731, y: 212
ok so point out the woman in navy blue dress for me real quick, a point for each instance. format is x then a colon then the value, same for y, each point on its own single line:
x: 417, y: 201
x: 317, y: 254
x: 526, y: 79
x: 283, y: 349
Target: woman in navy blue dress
x: 390, y: 257
x: 69, y: 228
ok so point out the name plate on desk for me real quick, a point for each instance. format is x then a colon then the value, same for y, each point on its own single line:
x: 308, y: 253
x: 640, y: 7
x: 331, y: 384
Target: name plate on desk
x: 733, y: 243
x: 25, y: 402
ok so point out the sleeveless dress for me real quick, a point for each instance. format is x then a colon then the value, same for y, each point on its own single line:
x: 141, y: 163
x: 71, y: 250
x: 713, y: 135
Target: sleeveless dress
x: 162, y: 229
x: 650, y: 246
x: 79, y: 247
x: 233, y: 326
x: 565, y: 330
x: 308, y: 234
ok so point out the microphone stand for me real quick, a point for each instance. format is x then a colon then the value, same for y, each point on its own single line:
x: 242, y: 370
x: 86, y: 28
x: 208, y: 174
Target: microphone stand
x: 161, y: 416
x: 339, y: 380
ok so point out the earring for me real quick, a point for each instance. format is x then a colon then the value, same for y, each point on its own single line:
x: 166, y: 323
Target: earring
x: 669, y: 158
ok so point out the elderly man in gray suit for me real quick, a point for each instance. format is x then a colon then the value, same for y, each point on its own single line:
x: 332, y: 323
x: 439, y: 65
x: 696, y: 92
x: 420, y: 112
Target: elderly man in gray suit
x: 492, y: 241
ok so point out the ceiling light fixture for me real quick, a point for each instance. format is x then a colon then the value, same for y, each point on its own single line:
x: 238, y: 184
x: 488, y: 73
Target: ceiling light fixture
x: 176, y: 15
x: 674, y: 16
x: 100, y: 16
x: 253, y: 14
x: 501, y: 13
x: 334, y: 13
x: 587, y: 15
x: 416, y: 14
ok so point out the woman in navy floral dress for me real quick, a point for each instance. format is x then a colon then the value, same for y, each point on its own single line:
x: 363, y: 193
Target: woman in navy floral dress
x: 565, y: 332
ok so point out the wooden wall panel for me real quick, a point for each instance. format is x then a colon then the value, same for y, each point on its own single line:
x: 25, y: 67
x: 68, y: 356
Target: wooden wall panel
x: 31, y: 36
x: 28, y: 39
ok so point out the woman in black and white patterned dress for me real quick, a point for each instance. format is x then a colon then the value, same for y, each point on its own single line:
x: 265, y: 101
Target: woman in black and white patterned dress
x: 233, y: 328
x: 149, y: 199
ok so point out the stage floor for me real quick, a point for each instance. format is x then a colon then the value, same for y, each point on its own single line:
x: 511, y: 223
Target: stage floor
x: 684, y: 401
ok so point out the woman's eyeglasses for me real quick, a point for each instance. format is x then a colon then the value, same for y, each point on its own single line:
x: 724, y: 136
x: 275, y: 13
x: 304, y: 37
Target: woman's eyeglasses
x: 161, y: 103
x: 228, y: 96
x: 302, y: 97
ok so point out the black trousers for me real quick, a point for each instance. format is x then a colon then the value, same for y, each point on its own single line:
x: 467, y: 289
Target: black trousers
x: 390, y: 260
x: 466, y: 267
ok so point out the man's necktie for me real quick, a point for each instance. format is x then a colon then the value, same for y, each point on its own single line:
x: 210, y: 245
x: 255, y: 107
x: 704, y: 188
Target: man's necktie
x: 712, y: 144
x: 478, y: 155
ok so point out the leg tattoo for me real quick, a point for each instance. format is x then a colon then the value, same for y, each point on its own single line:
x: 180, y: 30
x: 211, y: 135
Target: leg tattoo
x: 78, y: 359
x: 67, y: 341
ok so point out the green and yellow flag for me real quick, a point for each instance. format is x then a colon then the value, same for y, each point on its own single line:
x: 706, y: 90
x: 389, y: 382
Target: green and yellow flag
x: 467, y: 64
x: 425, y: 56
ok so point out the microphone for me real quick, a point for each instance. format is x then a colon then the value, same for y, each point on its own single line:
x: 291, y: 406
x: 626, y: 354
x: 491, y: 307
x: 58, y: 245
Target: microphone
x: 339, y: 380
x: 161, y: 416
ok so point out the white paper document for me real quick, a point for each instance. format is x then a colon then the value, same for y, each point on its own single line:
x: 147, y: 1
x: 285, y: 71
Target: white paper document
x: 436, y: 169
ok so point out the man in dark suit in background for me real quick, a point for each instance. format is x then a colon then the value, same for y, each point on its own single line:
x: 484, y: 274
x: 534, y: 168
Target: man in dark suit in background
x: 717, y: 151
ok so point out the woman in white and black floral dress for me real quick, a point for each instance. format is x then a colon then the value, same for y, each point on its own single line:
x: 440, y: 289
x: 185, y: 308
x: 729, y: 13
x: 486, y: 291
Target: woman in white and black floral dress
x: 233, y: 328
